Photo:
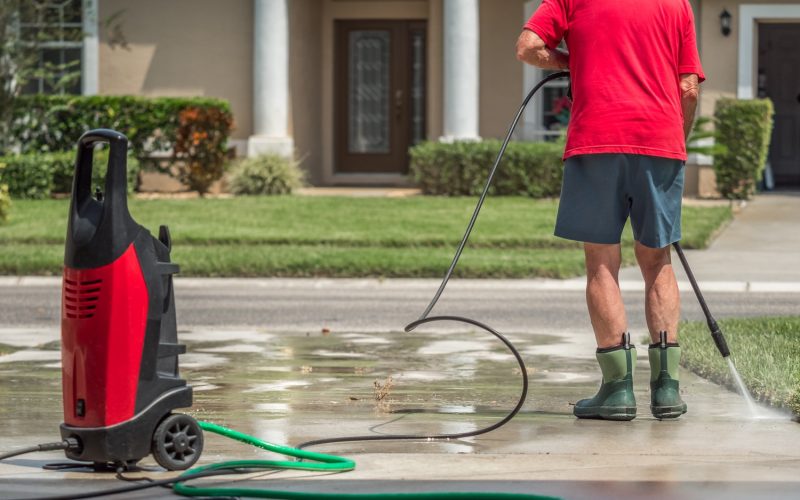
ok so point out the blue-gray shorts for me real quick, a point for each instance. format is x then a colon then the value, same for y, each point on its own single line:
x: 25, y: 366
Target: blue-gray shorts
x: 600, y: 191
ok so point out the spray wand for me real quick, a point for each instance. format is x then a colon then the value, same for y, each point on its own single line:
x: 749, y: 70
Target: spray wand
x: 713, y: 327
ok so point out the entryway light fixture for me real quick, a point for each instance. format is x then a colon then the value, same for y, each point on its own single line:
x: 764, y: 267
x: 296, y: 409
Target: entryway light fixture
x: 725, y: 22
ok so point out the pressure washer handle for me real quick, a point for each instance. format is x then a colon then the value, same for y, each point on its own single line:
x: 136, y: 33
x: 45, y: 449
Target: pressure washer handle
x: 107, y: 214
x: 719, y: 338
x: 116, y: 185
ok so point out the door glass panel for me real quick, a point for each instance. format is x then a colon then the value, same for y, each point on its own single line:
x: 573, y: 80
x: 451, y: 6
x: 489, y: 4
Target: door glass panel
x: 368, y: 75
x: 417, y: 87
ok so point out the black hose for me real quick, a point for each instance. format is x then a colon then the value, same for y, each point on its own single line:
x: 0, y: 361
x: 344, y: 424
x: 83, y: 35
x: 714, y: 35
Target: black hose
x: 449, y: 273
x: 423, y: 319
x: 66, y: 444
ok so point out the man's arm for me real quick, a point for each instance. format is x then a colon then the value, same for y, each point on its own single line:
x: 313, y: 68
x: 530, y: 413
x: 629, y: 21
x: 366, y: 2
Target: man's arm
x: 531, y: 49
x: 690, y: 90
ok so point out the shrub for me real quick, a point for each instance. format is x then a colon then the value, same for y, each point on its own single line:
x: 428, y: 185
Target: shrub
x: 200, y: 145
x: 39, y: 175
x: 744, y: 128
x: 5, y: 203
x: 49, y: 123
x: 460, y: 168
x: 266, y: 174
x: 27, y: 176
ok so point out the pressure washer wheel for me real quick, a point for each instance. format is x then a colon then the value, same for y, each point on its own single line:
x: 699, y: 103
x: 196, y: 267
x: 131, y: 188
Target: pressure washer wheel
x: 177, y: 442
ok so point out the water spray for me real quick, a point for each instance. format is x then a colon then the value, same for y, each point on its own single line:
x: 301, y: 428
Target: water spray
x: 717, y: 336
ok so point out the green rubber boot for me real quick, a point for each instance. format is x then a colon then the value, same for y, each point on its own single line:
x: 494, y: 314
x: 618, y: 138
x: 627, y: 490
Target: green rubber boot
x: 665, y: 397
x: 615, y: 399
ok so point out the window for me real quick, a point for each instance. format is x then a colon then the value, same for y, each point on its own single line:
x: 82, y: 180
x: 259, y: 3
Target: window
x: 555, y: 109
x: 56, y: 26
x: 549, y: 112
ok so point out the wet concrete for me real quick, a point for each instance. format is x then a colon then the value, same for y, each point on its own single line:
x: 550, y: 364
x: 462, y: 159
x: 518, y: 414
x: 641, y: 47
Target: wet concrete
x: 289, y: 387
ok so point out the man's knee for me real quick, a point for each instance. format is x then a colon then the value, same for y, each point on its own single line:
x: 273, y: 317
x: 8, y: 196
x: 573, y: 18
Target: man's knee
x: 601, y: 258
x: 652, y: 260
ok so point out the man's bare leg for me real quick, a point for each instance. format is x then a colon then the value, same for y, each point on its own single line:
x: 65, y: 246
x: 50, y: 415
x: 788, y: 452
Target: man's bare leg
x: 603, y: 297
x: 662, y: 299
x: 662, y: 309
x: 615, y: 355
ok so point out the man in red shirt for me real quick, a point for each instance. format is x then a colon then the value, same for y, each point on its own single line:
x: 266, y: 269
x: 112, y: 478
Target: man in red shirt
x: 635, y: 75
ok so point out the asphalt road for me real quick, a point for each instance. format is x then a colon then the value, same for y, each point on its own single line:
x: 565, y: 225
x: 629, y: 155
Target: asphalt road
x: 375, y: 305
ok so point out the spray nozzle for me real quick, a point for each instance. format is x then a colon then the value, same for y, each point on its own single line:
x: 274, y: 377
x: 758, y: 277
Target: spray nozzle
x: 719, y: 339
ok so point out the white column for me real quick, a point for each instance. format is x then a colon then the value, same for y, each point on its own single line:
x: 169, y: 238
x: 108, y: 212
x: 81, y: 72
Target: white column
x: 531, y: 119
x: 90, y: 71
x: 271, y: 79
x: 461, y: 65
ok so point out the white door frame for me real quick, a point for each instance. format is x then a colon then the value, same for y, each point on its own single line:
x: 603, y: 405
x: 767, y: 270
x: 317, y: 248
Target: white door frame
x: 749, y: 17
x: 91, y: 48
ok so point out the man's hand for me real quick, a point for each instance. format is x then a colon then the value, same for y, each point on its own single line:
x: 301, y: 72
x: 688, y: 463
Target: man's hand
x: 532, y: 50
x: 690, y: 91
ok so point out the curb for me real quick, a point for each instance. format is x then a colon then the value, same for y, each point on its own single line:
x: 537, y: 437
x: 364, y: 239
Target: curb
x: 569, y: 285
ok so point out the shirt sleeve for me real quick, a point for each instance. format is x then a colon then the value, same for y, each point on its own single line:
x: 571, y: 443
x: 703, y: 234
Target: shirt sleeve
x: 689, y: 58
x: 549, y: 22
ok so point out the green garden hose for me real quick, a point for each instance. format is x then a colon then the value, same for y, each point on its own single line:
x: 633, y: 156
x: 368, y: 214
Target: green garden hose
x: 321, y: 462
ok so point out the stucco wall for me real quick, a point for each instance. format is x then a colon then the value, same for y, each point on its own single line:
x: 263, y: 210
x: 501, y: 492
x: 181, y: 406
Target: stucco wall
x: 719, y: 54
x: 500, y: 73
x: 182, y: 48
x: 305, y: 84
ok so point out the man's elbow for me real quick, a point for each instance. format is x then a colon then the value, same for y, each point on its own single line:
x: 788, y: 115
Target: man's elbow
x: 691, y: 94
x: 528, y: 45
x: 524, y: 52
x: 690, y: 88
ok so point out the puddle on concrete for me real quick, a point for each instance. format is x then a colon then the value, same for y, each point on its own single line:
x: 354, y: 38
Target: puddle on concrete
x: 30, y: 355
x: 309, y: 385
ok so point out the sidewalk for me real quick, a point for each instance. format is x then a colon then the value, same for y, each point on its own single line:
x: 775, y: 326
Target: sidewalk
x: 760, y: 250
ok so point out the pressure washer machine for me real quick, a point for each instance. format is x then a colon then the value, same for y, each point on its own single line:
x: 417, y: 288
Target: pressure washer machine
x: 119, y: 341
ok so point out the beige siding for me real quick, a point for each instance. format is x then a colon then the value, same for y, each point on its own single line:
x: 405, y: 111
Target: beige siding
x: 500, y: 73
x: 305, y: 84
x: 719, y: 53
x: 182, y: 48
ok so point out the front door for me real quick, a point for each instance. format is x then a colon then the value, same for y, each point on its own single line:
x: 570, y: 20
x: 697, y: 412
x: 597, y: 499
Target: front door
x: 779, y: 79
x: 379, y: 109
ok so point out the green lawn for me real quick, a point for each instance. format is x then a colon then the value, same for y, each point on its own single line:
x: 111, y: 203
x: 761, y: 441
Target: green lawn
x: 766, y: 352
x: 336, y: 236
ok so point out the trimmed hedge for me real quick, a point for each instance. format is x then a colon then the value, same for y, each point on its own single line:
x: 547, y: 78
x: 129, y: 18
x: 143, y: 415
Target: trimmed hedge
x: 5, y: 203
x: 460, y: 168
x: 36, y: 176
x: 744, y: 128
x: 195, y: 129
x: 264, y: 175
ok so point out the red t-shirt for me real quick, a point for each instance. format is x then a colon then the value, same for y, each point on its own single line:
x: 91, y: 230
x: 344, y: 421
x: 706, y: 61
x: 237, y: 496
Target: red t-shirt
x: 625, y: 61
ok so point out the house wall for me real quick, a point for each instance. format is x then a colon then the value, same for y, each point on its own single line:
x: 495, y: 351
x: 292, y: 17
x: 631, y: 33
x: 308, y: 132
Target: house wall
x: 182, y: 48
x: 719, y: 53
x: 500, y: 73
x: 720, y: 58
x: 305, y: 84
